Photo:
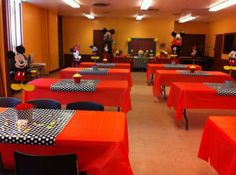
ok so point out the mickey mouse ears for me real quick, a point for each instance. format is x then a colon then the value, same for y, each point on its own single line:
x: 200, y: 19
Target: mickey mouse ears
x: 112, y: 31
x: 174, y: 33
x: 20, y: 49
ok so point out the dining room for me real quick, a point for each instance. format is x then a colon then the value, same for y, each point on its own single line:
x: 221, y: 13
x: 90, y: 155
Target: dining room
x: 103, y: 87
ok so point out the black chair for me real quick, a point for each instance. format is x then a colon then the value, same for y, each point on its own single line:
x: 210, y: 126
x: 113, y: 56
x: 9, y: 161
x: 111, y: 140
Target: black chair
x: 45, y: 103
x: 3, y: 171
x: 45, y: 165
x: 9, y: 101
x: 85, y: 106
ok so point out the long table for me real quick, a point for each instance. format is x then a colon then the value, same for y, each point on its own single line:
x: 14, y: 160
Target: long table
x: 100, y: 140
x: 198, y: 96
x: 165, y: 78
x: 218, y: 144
x: 113, y: 74
x: 152, y: 68
x: 116, y: 65
x: 108, y: 93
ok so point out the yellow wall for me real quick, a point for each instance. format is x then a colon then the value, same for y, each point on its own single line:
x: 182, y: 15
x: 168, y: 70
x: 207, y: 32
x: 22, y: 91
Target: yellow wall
x: 78, y: 30
x: 196, y: 28
x: 192, y: 27
x: 225, y: 25
x: 2, y: 56
x: 40, y: 35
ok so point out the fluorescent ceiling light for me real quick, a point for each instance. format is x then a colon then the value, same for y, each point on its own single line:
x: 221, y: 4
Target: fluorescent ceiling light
x: 89, y: 16
x: 139, y: 17
x: 222, y: 5
x: 187, y: 18
x: 72, y: 3
x: 145, y: 4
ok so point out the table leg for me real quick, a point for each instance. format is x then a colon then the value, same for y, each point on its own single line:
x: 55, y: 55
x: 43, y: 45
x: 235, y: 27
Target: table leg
x: 151, y: 80
x: 186, y: 119
x: 163, y: 91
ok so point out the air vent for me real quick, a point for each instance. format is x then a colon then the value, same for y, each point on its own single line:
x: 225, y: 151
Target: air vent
x: 100, y: 4
x: 176, y: 14
x: 153, y: 10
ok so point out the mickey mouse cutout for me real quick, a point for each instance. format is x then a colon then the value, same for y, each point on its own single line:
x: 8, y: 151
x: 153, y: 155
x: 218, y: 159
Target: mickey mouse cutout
x: 107, y: 46
x: 232, y: 62
x: 176, y: 42
x: 20, y: 64
x: 76, y: 56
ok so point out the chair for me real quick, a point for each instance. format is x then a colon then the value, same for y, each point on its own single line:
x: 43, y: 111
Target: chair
x: 3, y: 171
x: 85, y: 106
x: 45, y: 103
x: 27, y: 164
x: 9, y: 101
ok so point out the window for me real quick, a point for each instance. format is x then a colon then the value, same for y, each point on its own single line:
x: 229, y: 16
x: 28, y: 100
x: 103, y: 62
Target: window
x: 14, y: 23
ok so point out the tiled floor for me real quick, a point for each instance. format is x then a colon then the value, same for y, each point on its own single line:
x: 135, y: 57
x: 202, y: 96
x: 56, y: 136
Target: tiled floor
x: 158, y: 144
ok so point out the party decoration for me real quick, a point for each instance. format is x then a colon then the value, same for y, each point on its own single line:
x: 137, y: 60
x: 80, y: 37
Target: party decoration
x: 76, y: 55
x: 107, y: 46
x: 77, y: 77
x: 24, y: 111
x: 232, y: 62
x: 176, y: 43
x: 20, y: 69
x: 194, y: 52
x: 94, y: 49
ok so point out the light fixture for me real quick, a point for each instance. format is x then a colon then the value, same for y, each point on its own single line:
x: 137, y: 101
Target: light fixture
x: 89, y: 16
x: 145, y: 4
x: 139, y: 17
x: 222, y: 5
x: 187, y: 18
x: 72, y: 3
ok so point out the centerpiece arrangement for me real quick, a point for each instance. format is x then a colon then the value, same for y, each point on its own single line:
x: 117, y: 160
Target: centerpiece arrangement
x: 232, y: 66
x: 24, y: 114
x: 77, y: 77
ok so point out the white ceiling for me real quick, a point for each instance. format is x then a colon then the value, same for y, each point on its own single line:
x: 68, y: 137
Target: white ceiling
x: 130, y: 8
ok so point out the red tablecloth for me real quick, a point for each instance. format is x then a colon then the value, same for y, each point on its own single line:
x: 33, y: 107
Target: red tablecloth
x: 218, y: 145
x: 113, y: 74
x: 152, y: 68
x: 117, y: 65
x: 167, y: 77
x: 108, y: 93
x: 197, y: 95
x: 99, y: 139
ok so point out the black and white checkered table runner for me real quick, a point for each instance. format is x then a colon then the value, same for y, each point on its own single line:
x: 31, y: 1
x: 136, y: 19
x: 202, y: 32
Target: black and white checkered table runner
x: 46, y: 125
x: 106, y: 65
x: 196, y: 73
x: 222, y: 90
x: 68, y: 85
x: 91, y: 71
x: 175, y: 66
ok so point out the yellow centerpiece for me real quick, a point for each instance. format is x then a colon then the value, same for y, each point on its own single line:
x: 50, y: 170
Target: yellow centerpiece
x: 192, y: 68
x: 77, y: 77
x: 105, y: 60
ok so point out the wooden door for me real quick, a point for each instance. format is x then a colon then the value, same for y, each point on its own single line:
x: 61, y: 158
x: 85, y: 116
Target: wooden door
x: 218, y: 46
x: 190, y: 40
x: 98, y: 40
x: 218, y: 63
